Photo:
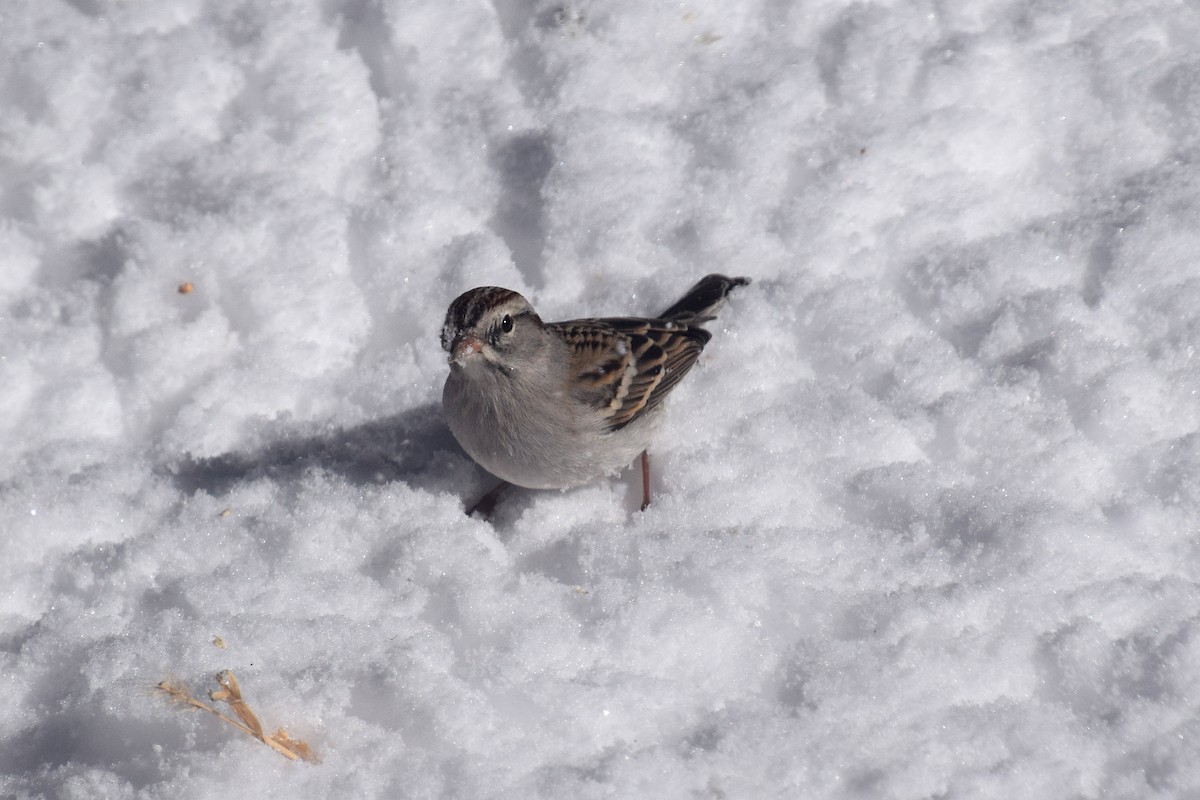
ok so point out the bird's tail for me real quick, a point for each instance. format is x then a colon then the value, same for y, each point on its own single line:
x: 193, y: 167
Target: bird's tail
x: 703, y: 301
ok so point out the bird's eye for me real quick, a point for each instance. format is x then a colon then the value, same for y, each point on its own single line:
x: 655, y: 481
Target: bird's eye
x: 506, y: 324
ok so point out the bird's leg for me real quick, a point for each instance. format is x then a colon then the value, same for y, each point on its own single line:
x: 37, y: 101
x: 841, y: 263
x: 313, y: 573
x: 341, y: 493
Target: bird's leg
x: 487, y: 504
x: 645, y: 480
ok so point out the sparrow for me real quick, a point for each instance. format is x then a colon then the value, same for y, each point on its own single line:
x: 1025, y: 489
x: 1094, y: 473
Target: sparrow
x: 552, y: 405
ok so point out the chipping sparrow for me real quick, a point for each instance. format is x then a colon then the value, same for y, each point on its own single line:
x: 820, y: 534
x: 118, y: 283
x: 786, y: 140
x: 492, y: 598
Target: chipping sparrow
x: 559, y: 404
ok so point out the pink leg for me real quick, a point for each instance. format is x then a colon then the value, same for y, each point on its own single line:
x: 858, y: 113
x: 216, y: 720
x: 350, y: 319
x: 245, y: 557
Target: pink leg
x: 645, y: 480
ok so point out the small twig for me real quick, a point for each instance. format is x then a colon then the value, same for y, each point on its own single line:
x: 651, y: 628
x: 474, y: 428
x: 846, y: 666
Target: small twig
x: 247, y: 722
x: 231, y: 693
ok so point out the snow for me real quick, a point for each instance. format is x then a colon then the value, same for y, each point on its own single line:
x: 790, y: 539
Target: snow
x: 925, y: 518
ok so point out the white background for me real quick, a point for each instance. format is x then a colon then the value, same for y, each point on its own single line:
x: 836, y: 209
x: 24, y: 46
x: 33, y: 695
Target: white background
x: 926, y: 514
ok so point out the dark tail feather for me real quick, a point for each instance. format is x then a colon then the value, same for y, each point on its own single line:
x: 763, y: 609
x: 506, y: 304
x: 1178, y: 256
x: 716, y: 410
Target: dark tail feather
x: 704, y: 300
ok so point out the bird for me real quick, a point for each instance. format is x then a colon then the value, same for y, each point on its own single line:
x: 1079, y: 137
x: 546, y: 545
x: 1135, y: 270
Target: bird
x: 553, y: 405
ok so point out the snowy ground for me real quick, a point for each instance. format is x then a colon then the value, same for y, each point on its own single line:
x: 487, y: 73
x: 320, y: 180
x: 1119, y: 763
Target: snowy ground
x: 927, y: 516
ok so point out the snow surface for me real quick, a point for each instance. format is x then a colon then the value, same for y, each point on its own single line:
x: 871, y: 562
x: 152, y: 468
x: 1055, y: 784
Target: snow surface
x: 926, y: 517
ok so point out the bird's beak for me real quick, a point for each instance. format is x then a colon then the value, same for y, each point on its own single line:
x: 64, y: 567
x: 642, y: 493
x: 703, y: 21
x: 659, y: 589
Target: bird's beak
x: 465, y: 347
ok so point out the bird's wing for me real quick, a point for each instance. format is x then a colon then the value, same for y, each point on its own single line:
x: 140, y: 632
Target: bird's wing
x: 624, y: 366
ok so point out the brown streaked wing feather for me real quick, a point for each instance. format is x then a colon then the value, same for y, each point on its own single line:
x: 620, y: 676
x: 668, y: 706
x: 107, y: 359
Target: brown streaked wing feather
x: 681, y: 353
x: 599, y: 374
x: 607, y: 379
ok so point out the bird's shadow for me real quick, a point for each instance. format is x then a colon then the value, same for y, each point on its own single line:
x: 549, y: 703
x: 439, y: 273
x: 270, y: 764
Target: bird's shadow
x: 414, y: 447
